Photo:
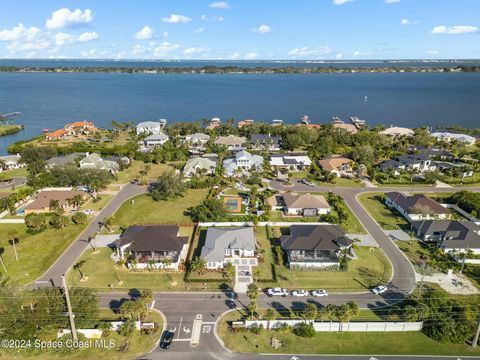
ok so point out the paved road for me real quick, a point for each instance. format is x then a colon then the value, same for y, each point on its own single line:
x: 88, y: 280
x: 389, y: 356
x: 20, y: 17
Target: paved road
x: 73, y: 252
x: 17, y: 181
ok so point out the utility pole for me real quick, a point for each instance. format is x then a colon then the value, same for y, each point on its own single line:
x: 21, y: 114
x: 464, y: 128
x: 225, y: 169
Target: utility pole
x: 477, y: 333
x: 464, y: 259
x: 69, y: 308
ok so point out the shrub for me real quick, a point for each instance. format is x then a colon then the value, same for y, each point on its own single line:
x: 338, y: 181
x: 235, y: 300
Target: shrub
x: 304, y: 330
x: 79, y: 218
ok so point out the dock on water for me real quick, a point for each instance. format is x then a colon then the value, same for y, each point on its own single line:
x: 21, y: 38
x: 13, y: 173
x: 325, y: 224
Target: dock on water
x: 359, y: 124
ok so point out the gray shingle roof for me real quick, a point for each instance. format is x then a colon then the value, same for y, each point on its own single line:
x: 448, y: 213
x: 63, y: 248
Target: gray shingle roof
x: 152, y: 238
x: 315, y: 237
x: 417, y: 204
x: 455, y: 234
x: 219, y: 239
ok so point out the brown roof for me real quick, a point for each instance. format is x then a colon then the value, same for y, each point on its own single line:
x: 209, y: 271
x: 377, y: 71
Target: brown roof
x: 417, y: 203
x: 315, y: 237
x: 152, y: 238
x: 305, y: 201
x: 230, y: 140
x: 349, y: 127
x: 43, y: 198
x: 333, y: 163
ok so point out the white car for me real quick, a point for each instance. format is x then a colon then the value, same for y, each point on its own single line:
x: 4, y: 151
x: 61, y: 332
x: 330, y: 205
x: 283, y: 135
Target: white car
x: 88, y: 211
x: 299, y: 293
x: 319, y: 293
x: 306, y: 182
x: 380, y: 289
x: 277, y: 292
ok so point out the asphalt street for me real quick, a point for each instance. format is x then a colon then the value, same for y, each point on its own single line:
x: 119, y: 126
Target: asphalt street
x: 17, y: 181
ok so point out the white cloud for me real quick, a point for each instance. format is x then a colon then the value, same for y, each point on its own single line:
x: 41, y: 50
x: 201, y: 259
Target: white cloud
x: 262, y: 29
x: 405, y: 22
x: 139, y: 49
x: 145, y: 33
x: 194, y: 50
x: 198, y: 31
x: 87, y: 36
x: 66, y: 18
x: 164, y: 49
x: 339, y: 56
x: 391, y: 1
x: 454, y: 30
x: 309, y: 52
x: 213, y: 18
x: 220, y: 5
x: 233, y: 56
x: 341, y: 2
x: 20, y: 32
x: 204, y: 17
x: 175, y: 18
x: 251, y: 56
x: 61, y: 39
x: 433, y: 52
x: 358, y: 53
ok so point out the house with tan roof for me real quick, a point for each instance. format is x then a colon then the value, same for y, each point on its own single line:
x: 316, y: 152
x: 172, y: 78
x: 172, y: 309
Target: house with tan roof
x: 416, y: 207
x: 338, y: 165
x: 397, y: 131
x: 41, y: 204
x: 232, y: 142
x: 80, y: 127
x: 305, y: 204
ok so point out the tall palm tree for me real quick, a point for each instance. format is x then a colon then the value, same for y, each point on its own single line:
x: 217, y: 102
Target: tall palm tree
x: 78, y: 266
x: 13, y: 240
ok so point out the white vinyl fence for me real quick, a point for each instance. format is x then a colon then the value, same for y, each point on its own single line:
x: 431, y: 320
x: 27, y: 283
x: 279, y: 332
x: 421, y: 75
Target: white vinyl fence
x: 363, y: 326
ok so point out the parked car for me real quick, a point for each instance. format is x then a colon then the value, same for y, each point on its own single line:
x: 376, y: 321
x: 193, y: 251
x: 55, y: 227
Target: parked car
x: 167, y: 339
x: 380, y: 289
x: 88, y: 211
x: 277, y: 292
x: 319, y: 293
x: 306, y: 182
x: 299, y: 293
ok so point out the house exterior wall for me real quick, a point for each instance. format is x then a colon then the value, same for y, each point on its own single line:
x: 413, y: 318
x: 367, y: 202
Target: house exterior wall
x: 299, y: 211
x: 415, y: 217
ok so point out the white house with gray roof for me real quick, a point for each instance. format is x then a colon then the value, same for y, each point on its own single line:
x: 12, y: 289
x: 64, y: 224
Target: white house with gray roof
x: 242, y: 163
x: 224, y: 244
x: 95, y: 161
x: 11, y: 162
x: 197, y: 139
x: 149, y: 127
x: 155, y: 140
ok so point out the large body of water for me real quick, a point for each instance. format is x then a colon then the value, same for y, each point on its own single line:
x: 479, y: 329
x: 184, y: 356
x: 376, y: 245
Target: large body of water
x: 49, y: 100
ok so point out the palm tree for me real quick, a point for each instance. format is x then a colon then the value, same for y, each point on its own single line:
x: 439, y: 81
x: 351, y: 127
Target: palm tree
x: 78, y: 266
x: 2, y: 250
x: 198, y: 264
x: 107, y: 222
x: 13, y: 240
x: 252, y: 291
x: 53, y: 205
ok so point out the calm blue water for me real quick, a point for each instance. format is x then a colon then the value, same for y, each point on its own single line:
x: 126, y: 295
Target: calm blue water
x: 405, y: 99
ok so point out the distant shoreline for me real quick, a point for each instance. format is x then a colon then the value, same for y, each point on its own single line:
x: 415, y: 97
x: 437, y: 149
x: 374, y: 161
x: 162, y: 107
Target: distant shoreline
x: 9, y: 129
x: 237, y: 69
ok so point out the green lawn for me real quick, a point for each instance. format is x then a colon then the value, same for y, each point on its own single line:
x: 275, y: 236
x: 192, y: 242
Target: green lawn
x: 145, y: 210
x: 36, y: 252
x: 20, y: 172
x: 387, y: 218
x: 139, y: 344
x: 105, y: 276
x: 9, y: 129
x: 99, y: 205
x: 395, y: 343
x: 371, y: 268
x: 340, y: 182
x: 133, y: 172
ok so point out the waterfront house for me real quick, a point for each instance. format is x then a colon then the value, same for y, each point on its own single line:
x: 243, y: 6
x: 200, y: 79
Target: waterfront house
x: 452, y: 236
x: 266, y: 142
x: 337, y: 123
x: 416, y: 207
x: 10, y: 162
x: 155, y: 140
x: 80, y: 128
x: 199, y: 165
x: 214, y: 123
x: 338, y: 165
x: 222, y: 245
x: 397, y: 131
x: 410, y: 162
x: 148, y: 127
x: 242, y: 163
x: 317, y: 246
x: 245, y: 122
x: 449, y: 136
x: 95, y: 161
x: 152, y: 246
x: 291, y: 162
x: 305, y: 204
x: 232, y: 142
x: 56, y: 135
x: 41, y: 204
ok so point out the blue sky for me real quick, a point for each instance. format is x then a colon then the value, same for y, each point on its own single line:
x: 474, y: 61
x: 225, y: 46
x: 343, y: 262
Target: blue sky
x: 240, y: 29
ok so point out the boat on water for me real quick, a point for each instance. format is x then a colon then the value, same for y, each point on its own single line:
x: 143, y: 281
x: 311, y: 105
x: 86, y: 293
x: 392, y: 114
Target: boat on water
x: 163, y: 123
x: 337, y: 120
x: 277, y: 122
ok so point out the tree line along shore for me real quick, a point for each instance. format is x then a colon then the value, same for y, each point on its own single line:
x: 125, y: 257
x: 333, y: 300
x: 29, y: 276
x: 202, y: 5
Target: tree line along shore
x: 239, y: 70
